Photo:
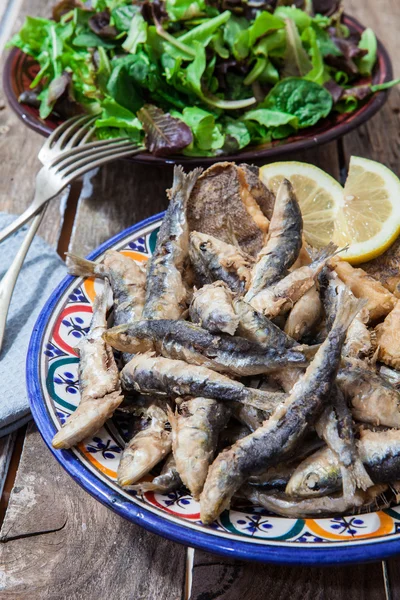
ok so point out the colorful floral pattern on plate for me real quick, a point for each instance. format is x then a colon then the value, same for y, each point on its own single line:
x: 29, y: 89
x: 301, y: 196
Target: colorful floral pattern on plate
x: 57, y: 367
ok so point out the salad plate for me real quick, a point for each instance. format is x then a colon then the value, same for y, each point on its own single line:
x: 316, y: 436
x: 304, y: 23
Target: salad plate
x: 21, y: 69
x: 248, y: 533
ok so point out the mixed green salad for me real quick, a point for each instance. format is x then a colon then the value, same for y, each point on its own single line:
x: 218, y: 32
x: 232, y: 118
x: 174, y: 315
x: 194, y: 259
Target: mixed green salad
x: 200, y: 77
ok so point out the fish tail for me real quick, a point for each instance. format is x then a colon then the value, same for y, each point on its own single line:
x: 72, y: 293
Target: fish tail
x: 308, y: 351
x: 362, y: 478
x: 183, y: 183
x: 324, y: 255
x: 100, y: 307
x: 347, y: 307
x: 80, y: 267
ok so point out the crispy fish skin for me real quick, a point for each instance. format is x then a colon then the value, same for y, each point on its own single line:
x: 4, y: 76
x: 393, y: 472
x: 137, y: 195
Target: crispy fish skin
x: 372, y: 399
x: 146, y: 449
x: 385, y: 268
x: 335, y: 427
x: 127, y: 279
x: 212, y: 309
x: 166, y: 482
x: 284, y: 242
x: 219, y: 192
x: 279, y: 298
x: 195, y: 429
x: 99, y: 384
x: 250, y: 416
x: 166, y: 293
x: 286, y: 426
x: 320, y: 473
x: 380, y: 300
x: 149, y: 374
x: 304, y: 315
x: 185, y: 341
x: 254, y: 326
x: 390, y: 375
x: 388, y: 338
x: 359, y: 340
x: 284, y: 505
x: 215, y: 260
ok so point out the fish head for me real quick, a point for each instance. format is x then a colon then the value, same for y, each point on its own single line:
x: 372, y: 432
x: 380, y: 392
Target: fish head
x: 121, y: 339
x: 317, y: 475
x: 203, y: 246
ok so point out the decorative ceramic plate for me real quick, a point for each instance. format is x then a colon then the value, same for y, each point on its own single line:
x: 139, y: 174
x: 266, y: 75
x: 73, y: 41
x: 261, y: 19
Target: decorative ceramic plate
x: 251, y: 533
x: 21, y: 69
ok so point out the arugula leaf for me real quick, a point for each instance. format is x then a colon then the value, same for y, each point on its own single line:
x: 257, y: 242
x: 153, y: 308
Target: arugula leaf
x: 368, y: 42
x: 306, y: 100
x: 318, y: 71
x: 301, y: 19
x: 207, y: 135
x: 296, y: 60
x: 237, y: 130
x: 233, y: 27
x: 264, y: 24
x: 137, y: 34
x: 123, y: 15
x: 181, y: 10
x: 164, y: 134
x: 204, y: 32
x: 195, y: 70
x: 115, y: 115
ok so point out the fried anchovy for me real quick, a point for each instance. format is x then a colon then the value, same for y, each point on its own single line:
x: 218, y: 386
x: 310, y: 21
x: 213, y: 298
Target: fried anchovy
x: 390, y: 375
x: 99, y: 384
x: 284, y: 242
x: 320, y: 473
x: 127, y: 279
x: 147, y: 447
x: 250, y: 416
x: 195, y: 429
x: 379, y: 300
x: 388, y: 338
x: 279, y: 298
x: 166, y: 293
x: 287, y: 425
x: 284, y: 505
x: 211, y: 307
x: 167, y: 481
x: 372, y: 399
x: 149, y: 374
x: 215, y: 260
x: 304, y: 315
x: 184, y: 341
x: 359, y: 342
x: 335, y: 427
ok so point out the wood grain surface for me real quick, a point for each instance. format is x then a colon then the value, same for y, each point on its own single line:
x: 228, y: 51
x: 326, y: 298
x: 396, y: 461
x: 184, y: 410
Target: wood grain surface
x: 58, y: 542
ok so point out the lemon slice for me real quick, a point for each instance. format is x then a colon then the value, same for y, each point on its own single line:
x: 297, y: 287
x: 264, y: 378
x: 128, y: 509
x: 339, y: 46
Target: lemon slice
x: 318, y: 194
x: 369, y: 215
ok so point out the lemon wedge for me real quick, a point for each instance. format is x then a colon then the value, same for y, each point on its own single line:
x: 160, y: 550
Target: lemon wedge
x: 368, y: 219
x: 318, y: 194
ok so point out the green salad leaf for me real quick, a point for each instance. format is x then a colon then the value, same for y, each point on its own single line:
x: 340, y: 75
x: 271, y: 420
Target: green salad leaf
x: 201, y: 77
x: 306, y: 100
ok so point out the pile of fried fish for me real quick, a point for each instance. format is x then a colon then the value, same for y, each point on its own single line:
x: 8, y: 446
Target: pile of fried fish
x: 255, y: 369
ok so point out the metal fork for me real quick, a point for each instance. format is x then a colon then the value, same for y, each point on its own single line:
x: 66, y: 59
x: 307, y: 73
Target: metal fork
x: 66, y: 155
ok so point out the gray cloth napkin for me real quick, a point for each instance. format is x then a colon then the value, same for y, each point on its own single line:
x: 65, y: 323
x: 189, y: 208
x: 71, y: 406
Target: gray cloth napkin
x: 41, y: 273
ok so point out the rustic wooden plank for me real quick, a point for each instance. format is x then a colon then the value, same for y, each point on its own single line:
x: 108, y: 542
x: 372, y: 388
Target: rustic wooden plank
x: 115, y: 197
x: 59, y: 543
x: 216, y: 577
x: 19, y: 146
x: 6, y: 450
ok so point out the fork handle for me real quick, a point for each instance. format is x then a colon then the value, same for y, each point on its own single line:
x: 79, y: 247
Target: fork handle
x: 9, y: 280
x: 19, y: 221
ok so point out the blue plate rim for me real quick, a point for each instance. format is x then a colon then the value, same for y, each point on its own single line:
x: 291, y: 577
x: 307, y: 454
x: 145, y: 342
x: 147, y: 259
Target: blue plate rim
x: 266, y: 553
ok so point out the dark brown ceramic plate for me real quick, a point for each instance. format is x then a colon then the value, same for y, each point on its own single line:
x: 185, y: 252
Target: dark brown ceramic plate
x: 21, y: 69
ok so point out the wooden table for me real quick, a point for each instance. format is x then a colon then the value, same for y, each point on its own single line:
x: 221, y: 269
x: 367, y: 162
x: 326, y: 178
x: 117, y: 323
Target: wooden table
x: 56, y: 542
